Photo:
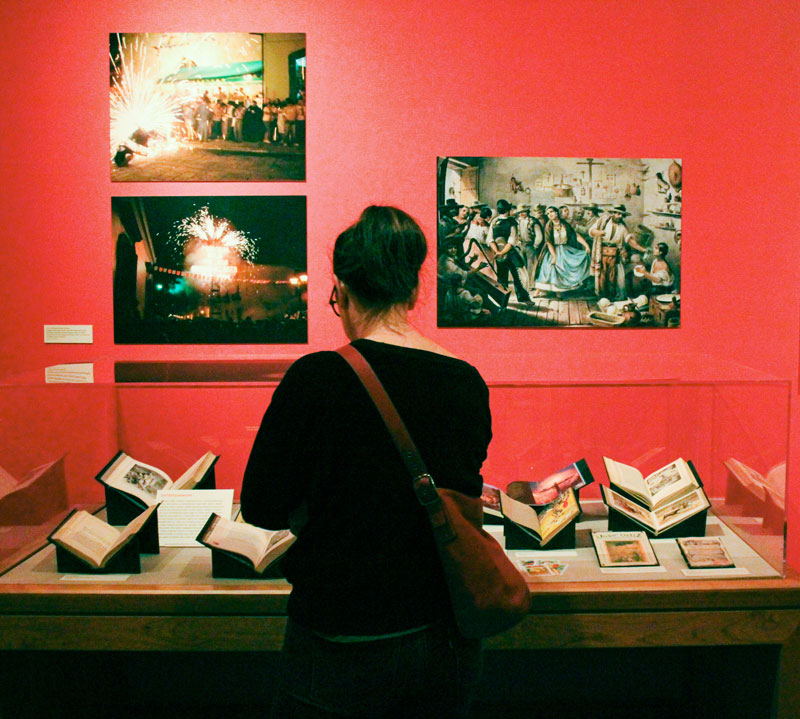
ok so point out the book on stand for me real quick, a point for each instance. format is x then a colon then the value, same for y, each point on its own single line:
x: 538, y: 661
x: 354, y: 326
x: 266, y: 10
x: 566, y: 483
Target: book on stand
x: 39, y: 495
x: 490, y: 498
x: 668, y: 502
x: 131, y: 486
x: 543, y: 491
x: 529, y: 527
x: 96, y: 545
x: 257, y: 551
x: 748, y: 492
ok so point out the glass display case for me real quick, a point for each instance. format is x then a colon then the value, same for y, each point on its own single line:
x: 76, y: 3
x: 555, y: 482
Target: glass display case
x: 731, y: 422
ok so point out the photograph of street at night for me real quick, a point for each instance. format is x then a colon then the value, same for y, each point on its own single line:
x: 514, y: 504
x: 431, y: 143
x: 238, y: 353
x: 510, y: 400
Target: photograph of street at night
x: 209, y: 270
x: 199, y: 107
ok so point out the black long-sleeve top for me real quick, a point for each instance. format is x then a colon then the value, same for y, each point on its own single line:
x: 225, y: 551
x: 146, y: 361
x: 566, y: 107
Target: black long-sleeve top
x: 365, y: 562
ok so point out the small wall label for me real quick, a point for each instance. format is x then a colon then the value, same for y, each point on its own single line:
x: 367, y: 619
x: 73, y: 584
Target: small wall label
x: 69, y: 373
x: 68, y: 334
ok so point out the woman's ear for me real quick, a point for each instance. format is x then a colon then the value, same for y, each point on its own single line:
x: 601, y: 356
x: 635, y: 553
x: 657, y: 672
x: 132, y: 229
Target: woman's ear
x: 342, y: 292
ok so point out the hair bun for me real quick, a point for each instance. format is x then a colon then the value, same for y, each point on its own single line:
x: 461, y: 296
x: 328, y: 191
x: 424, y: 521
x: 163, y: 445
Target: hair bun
x: 380, y: 256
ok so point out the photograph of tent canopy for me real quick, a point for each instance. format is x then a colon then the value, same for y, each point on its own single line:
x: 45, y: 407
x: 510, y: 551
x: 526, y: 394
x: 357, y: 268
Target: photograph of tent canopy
x: 207, y: 106
x: 228, y: 72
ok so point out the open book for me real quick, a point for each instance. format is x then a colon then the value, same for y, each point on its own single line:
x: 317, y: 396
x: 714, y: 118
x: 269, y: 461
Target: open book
x: 661, y: 519
x: 38, y: 496
x: 662, y: 487
x: 490, y: 499
x: 544, y: 491
x: 143, y: 481
x: 542, y: 523
x: 772, y: 484
x: 94, y: 541
x: 259, y: 548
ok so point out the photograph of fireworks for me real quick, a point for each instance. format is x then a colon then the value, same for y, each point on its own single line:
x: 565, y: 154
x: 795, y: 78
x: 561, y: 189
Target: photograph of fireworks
x: 228, y: 106
x: 552, y: 242
x: 209, y: 270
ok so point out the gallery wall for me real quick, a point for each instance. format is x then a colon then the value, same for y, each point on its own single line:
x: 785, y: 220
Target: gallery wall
x: 391, y: 86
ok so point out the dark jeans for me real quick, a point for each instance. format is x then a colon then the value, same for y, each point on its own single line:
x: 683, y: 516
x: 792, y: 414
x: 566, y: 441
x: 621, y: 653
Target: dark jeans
x: 430, y: 673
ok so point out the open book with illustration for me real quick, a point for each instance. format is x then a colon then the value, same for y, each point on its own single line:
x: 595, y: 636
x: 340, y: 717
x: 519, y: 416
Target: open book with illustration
x: 544, y: 491
x: 258, y: 548
x: 490, y: 498
x: 661, y: 519
x: 662, y: 487
x: 93, y: 540
x: 143, y: 481
x: 542, y: 523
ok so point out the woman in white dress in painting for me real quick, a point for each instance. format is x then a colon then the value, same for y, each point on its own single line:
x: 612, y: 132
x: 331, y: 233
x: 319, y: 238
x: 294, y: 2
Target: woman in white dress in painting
x: 566, y: 261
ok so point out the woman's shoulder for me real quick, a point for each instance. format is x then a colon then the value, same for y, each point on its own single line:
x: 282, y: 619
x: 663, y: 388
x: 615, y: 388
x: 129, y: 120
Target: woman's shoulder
x: 315, y: 364
x: 421, y: 356
x: 323, y: 367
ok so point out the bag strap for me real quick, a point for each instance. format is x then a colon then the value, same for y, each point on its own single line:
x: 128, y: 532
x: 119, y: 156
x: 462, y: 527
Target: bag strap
x: 377, y: 392
x: 423, y: 484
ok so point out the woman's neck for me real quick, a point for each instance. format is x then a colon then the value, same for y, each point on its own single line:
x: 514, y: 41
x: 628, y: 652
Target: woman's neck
x: 394, y: 328
x: 391, y: 327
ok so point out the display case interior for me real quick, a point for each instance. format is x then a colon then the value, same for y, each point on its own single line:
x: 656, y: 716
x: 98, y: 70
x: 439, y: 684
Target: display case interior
x: 733, y: 429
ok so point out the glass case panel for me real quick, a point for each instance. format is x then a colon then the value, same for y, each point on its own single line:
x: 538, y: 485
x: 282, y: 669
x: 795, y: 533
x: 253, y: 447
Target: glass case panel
x: 57, y: 437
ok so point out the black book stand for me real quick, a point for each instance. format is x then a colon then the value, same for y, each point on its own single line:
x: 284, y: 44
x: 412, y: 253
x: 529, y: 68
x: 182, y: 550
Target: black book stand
x: 225, y: 565
x: 694, y: 526
x: 126, y: 561
x: 518, y: 538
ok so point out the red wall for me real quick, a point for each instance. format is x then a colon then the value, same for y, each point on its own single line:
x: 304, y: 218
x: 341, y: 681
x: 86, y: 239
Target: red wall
x: 390, y: 87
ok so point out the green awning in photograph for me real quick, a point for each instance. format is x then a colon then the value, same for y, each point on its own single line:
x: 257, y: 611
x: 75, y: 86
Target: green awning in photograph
x: 231, y: 72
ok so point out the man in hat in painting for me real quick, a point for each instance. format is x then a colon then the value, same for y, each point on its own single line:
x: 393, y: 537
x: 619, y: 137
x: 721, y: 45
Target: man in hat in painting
x: 447, y: 221
x: 503, y: 238
x: 610, y: 240
x: 586, y: 218
x: 531, y: 234
x: 539, y: 213
x: 522, y: 213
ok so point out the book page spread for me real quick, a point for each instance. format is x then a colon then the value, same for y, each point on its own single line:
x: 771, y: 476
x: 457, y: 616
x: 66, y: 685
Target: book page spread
x: 137, y: 478
x: 558, y: 514
x: 520, y: 513
x: 88, y: 536
x: 668, y: 481
x: 238, y: 537
x: 628, y: 478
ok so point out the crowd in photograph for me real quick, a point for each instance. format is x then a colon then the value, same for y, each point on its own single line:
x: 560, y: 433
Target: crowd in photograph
x: 542, y: 252
x: 236, y: 117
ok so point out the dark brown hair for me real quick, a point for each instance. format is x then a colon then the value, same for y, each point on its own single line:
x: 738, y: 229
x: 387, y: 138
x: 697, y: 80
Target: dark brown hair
x: 379, y: 257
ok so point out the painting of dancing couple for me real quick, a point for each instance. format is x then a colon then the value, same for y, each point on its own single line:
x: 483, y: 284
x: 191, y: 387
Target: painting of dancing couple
x: 559, y: 242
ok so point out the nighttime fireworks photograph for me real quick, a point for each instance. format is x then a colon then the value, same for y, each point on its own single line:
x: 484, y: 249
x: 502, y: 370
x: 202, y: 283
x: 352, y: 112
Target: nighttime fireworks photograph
x: 209, y: 270
x: 201, y: 107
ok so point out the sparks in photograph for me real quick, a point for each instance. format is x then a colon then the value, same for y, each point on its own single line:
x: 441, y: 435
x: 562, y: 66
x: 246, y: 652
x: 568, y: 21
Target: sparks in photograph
x: 205, y: 270
x: 559, y: 242
x: 207, y: 106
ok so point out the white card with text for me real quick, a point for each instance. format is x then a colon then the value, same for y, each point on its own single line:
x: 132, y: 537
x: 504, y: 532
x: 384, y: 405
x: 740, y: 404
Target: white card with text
x: 183, y: 512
